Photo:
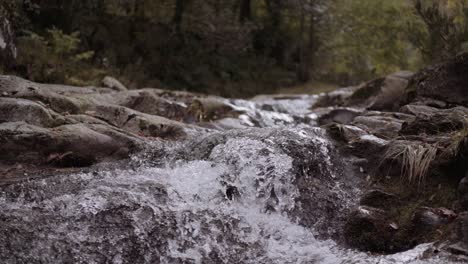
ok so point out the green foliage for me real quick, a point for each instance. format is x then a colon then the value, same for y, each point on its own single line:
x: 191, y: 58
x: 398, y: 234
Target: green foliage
x: 232, y: 47
x: 55, y: 57
x: 369, y: 39
x: 442, y: 28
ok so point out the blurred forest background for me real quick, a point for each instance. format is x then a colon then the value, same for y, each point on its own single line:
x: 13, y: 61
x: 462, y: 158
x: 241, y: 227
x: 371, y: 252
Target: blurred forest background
x: 234, y: 48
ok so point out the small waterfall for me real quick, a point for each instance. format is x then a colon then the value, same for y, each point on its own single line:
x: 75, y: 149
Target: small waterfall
x: 238, y: 196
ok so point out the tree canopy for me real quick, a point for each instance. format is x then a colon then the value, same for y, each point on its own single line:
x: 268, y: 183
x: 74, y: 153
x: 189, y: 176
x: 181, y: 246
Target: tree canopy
x: 231, y: 47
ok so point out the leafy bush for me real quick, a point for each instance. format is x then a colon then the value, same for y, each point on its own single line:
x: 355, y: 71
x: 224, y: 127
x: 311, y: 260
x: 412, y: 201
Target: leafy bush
x: 56, y: 57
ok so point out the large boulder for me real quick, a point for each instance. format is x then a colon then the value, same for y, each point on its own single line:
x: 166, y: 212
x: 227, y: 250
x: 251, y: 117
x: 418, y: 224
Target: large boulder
x: 80, y: 144
x: 100, y: 103
x: 67, y: 126
x: 298, y: 166
x: 15, y: 110
x: 124, y: 228
x: 447, y: 82
x: 381, y: 94
x: 384, y: 125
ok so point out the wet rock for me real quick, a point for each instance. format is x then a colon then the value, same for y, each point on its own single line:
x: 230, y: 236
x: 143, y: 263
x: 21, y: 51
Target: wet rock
x: 380, y: 199
x: 211, y: 108
x: 58, y: 98
x: 228, y: 123
x: 121, y: 230
x: 381, y: 94
x: 370, y: 229
x: 136, y: 122
x: 96, y: 104
x: 70, y: 159
x: 445, y: 82
x: 335, y: 98
x: 320, y: 203
x: 427, y: 219
x: 13, y: 110
x: 16, y: 86
x: 22, y: 142
x: 86, y: 119
x: 148, y: 102
x: 346, y: 133
x: 432, y: 121
x: 380, y: 125
x: 114, y: 84
x: 358, y: 142
x: 297, y: 178
x: 419, y: 110
x: 340, y: 115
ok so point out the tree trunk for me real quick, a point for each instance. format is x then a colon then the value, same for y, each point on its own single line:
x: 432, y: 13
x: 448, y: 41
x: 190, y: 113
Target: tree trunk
x: 308, y: 48
x: 179, y: 13
x: 277, y: 44
x: 245, y: 13
x: 7, y: 44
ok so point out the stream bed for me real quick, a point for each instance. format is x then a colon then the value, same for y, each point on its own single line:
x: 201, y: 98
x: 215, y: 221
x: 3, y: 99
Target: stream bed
x: 268, y: 188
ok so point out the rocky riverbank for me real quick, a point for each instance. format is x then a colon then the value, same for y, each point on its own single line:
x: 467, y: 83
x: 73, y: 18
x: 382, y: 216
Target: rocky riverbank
x: 381, y: 168
x: 412, y: 133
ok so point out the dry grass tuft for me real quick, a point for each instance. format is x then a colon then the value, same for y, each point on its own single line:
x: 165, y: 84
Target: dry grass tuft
x: 415, y: 159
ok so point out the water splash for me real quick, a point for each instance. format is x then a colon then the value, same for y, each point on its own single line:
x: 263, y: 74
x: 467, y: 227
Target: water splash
x: 237, y: 196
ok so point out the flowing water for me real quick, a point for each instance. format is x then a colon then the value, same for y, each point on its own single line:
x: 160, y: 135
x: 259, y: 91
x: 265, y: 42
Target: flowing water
x: 270, y: 194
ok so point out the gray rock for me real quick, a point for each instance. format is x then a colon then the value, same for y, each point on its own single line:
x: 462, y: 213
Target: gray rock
x: 14, y: 110
x: 22, y: 142
x: 370, y: 229
x: 446, y: 82
x: 381, y: 94
x: 334, y: 98
x: 379, y: 124
x: 433, y: 121
x: 339, y: 115
x: 136, y: 122
x: 318, y: 205
x: 359, y: 142
x: 114, y: 84
x: 427, y: 219
x: 15, y: 85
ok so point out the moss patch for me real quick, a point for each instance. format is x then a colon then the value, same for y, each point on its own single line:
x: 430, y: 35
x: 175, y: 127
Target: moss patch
x: 438, y: 191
